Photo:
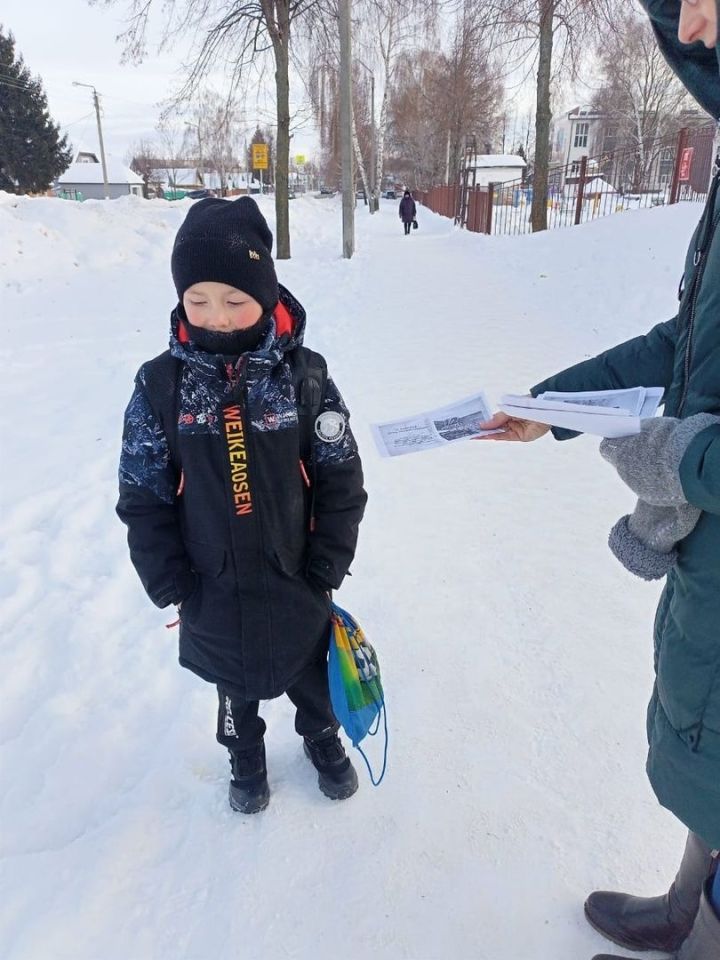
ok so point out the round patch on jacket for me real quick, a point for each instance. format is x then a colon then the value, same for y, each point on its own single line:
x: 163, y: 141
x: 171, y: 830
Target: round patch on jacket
x: 330, y: 426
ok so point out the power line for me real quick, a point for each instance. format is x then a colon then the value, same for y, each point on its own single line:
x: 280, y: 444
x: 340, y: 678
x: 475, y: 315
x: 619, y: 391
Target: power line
x: 66, y: 126
x: 18, y: 80
x: 13, y: 85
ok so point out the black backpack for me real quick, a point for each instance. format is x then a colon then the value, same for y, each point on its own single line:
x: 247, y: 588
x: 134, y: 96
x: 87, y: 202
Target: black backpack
x: 309, y: 377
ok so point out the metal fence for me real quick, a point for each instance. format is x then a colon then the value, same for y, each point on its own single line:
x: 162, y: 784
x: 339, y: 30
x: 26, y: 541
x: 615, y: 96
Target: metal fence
x: 665, y: 171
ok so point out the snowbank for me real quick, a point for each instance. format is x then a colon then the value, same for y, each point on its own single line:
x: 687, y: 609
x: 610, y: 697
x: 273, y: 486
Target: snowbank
x: 516, y: 652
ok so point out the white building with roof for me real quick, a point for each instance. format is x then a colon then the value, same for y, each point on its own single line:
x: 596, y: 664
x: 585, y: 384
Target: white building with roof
x: 83, y: 179
x: 495, y: 167
x: 170, y: 180
x: 577, y: 134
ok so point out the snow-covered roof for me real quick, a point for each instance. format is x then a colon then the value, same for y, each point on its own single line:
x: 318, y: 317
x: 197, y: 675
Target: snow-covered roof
x: 496, y: 160
x: 585, y: 112
x: 594, y: 185
x: 84, y: 172
x: 598, y: 184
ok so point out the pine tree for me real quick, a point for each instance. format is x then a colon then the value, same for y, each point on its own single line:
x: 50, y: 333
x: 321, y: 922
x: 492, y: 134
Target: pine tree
x: 32, y: 152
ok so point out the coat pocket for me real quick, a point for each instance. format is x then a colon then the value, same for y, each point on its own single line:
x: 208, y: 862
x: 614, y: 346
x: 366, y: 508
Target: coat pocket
x: 290, y: 562
x: 212, y: 609
x: 207, y: 559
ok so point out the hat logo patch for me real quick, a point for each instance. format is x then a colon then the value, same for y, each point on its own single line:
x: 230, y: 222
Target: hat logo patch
x: 330, y: 426
x: 253, y: 254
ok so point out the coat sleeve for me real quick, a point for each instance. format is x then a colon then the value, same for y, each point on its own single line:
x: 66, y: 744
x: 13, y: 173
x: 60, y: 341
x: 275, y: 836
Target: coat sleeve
x: 645, y: 361
x: 148, y: 505
x: 339, y: 500
x: 700, y: 470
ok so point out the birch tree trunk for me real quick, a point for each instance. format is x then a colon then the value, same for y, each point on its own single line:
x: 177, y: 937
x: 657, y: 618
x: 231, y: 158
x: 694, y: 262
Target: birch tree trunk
x: 359, y: 159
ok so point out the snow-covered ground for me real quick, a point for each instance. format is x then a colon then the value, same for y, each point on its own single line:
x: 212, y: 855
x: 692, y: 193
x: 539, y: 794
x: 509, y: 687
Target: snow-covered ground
x: 516, y: 652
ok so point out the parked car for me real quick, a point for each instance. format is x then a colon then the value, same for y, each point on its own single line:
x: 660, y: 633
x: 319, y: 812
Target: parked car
x: 390, y: 195
x: 199, y: 194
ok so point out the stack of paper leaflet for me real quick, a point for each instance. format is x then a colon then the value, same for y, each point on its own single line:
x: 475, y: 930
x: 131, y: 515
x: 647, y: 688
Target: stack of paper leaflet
x: 604, y: 413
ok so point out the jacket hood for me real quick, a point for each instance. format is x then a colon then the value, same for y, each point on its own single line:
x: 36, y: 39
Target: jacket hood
x: 697, y: 67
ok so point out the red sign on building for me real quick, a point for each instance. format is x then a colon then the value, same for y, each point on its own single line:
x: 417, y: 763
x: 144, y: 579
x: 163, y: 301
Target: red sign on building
x: 686, y: 158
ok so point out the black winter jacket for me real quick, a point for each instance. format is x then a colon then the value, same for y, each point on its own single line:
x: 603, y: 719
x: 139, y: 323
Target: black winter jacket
x: 226, y: 531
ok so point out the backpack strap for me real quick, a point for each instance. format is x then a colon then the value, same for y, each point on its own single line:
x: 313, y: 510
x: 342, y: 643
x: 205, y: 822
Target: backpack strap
x: 309, y: 377
x: 162, y: 388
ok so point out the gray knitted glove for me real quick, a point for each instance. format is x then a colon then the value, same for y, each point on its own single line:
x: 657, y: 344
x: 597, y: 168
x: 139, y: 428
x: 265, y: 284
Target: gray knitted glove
x: 649, y: 462
x: 644, y: 542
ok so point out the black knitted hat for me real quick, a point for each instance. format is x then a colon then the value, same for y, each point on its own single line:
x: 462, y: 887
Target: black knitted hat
x: 227, y: 241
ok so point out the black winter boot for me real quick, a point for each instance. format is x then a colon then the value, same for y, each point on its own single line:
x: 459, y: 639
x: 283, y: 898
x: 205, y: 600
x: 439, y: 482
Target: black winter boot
x: 654, y: 923
x: 703, y: 941
x: 337, y: 778
x: 249, y: 791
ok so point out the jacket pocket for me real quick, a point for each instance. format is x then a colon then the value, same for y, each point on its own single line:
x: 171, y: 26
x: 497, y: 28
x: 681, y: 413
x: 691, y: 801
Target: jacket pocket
x: 290, y: 562
x: 207, y: 559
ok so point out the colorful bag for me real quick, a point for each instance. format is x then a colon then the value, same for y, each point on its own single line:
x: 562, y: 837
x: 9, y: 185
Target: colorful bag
x: 356, y: 691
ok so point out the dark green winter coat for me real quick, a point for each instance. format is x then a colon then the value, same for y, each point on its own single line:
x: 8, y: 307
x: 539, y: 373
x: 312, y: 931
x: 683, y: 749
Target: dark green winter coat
x: 683, y: 356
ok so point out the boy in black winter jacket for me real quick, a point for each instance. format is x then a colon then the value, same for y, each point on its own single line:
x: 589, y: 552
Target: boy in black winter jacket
x: 224, y: 518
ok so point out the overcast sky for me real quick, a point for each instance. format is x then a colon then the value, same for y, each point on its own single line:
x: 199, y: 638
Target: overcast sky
x: 66, y: 40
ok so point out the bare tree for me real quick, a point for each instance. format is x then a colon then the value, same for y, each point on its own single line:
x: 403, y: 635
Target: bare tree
x: 174, y: 141
x: 232, y: 33
x: 142, y: 160
x: 640, y: 96
x: 445, y: 102
x: 549, y: 37
x: 417, y: 141
x: 384, y: 32
x: 215, y: 120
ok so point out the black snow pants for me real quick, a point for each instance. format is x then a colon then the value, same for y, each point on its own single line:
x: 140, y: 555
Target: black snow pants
x: 240, y: 727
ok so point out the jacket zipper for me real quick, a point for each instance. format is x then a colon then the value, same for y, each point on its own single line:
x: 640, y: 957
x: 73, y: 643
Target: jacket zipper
x: 699, y: 261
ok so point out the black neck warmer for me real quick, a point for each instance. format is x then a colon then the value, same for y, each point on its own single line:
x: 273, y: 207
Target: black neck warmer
x: 230, y: 344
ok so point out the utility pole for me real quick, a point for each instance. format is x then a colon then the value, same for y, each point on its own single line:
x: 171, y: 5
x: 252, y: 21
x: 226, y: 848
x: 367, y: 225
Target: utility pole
x: 346, y: 143
x: 373, y: 149
x: 96, y: 101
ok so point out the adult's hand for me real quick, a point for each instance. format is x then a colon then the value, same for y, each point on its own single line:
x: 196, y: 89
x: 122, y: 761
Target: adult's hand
x: 513, y: 428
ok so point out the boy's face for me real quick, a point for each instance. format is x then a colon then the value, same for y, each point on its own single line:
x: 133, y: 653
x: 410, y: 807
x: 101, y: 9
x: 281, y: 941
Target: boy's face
x: 698, y: 21
x: 218, y: 307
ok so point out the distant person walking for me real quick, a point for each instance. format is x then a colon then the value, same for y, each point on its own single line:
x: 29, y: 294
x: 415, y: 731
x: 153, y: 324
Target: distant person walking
x: 407, y: 211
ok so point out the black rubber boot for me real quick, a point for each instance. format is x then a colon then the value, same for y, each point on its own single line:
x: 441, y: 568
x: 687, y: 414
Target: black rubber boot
x: 654, y: 923
x: 249, y: 791
x: 703, y: 941
x: 337, y: 778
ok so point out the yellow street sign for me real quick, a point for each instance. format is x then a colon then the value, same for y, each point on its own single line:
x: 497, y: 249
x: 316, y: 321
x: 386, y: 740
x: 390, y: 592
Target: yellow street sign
x: 300, y: 159
x: 259, y: 156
